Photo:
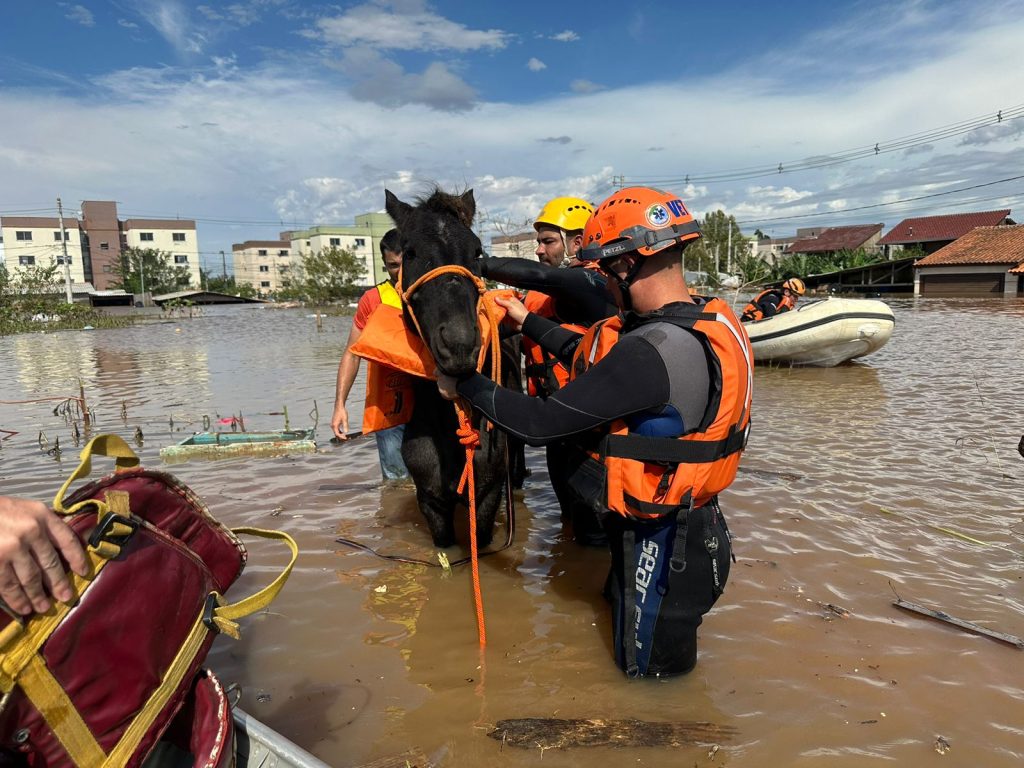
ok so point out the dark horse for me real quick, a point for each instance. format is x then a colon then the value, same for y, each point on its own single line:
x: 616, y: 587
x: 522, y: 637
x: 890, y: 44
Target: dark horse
x: 436, y: 232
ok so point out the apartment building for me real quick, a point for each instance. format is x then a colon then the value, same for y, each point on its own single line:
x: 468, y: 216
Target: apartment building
x: 362, y: 239
x: 262, y: 263
x: 94, y: 242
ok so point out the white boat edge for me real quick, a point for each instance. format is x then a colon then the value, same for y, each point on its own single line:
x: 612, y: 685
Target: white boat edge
x: 822, y: 333
x: 259, y: 746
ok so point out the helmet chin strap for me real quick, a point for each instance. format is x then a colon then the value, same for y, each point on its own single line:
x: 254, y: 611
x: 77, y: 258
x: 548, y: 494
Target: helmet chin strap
x: 626, y: 281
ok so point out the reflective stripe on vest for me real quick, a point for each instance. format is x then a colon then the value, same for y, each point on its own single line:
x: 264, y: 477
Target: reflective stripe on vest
x: 388, y: 294
x: 648, y: 477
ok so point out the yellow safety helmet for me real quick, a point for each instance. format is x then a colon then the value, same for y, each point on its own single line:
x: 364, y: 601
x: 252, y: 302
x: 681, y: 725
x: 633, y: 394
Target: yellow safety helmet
x: 568, y: 214
x: 796, y: 285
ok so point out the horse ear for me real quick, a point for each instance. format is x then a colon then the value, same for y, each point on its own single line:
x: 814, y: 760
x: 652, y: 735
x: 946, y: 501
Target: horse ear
x: 397, y: 210
x: 468, y: 207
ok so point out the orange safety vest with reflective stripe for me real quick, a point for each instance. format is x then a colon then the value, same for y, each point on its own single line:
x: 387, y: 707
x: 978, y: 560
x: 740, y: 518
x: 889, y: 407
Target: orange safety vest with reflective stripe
x: 649, y: 477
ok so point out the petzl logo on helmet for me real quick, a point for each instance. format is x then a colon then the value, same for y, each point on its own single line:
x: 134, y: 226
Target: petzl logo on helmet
x: 657, y: 215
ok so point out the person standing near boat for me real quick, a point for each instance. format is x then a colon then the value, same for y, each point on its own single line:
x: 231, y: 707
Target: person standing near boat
x: 774, y: 300
x: 657, y: 412
x: 33, y: 539
x: 389, y: 441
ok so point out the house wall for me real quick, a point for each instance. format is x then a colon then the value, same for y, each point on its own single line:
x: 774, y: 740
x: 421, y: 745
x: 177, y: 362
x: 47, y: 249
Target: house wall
x: 974, y: 280
x: 174, y: 237
x: 35, y: 241
x: 262, y: 265
x: 522, y: 246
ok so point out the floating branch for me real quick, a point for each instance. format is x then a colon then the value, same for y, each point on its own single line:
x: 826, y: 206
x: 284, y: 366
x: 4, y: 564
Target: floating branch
x: 965, y: 625
x: 552, y: 733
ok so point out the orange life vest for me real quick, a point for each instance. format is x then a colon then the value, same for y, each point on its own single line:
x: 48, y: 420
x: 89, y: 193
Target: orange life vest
x: 648, y: 477
x: 398, y: 354
x: 545, y: 373
x: 754, y: 312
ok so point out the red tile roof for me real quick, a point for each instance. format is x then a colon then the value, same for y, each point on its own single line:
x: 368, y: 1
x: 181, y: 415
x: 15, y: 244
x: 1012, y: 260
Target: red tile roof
x: 927, y: 229
x: 837, y: 239
x: 983, y: 245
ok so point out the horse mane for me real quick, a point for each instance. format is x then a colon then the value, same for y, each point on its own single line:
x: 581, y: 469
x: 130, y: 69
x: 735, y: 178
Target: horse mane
x: 443, y: 202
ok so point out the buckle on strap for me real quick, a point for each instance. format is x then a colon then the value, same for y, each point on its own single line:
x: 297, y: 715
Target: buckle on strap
x: 111, y: 530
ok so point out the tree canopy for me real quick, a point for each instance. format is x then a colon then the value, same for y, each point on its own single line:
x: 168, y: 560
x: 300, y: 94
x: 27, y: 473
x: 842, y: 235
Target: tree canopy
x: 141, y: 270
x: 330, y: 274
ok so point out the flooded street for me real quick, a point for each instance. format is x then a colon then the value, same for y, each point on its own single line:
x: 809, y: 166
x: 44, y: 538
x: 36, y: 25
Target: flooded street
x: 898, y: 476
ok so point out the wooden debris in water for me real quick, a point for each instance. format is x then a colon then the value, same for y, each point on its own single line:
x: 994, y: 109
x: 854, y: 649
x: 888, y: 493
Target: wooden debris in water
x: 965, y: 625
x: 411, y: 759
x: 554, y: 733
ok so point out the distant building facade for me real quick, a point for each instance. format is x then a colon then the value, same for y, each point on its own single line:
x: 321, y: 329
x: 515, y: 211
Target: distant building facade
x: 263, y: 264
x: 987, y: 261
x: 522, y: 245
x: 94, y: 243
x: 361, y: 239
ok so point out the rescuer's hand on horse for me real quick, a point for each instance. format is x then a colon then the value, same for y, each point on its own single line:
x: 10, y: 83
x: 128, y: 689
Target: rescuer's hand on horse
x: 32, y: 540
x: 515, y: 310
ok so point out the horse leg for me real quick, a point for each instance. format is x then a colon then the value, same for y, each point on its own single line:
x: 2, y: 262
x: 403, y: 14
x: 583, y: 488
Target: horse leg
x: 434, y: 459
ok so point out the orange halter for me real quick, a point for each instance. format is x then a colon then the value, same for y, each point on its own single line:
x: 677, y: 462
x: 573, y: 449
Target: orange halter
x: 489, y: 316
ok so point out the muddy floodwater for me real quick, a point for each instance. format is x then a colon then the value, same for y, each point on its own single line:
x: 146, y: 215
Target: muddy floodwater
x: 898, y: 476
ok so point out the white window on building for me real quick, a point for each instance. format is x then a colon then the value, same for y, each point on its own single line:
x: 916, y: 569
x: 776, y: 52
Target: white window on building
x: 335, y: 242
x: 56, y: 236
x: 146, y: 237
x: 178, y: 237
x: 104, y: 247
x: 23, y: 235
x: 360, y: 242
x: 181, y: 258
x: 27, y: 261
x: 60, y: 260
x: 264, y: 268
x: 107, y: 268
x: 264, y: 283
x: 261, y: 252
x: 282, y: 253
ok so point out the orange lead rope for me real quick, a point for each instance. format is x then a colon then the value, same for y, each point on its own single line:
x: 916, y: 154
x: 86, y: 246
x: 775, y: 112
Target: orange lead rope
x: 489, y: 316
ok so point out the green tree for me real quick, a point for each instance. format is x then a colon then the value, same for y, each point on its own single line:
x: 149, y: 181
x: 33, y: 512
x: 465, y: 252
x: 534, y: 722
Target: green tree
x: 227, y: 284
x: 330, y: 274
x: 147, y: 268
x: 710, y: 253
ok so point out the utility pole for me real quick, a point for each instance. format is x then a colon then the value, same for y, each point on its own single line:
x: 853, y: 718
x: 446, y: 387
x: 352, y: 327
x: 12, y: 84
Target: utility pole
x: 223, y: 266
x: 64, y: 246
x: 142, y: 277
x: 728, y: 250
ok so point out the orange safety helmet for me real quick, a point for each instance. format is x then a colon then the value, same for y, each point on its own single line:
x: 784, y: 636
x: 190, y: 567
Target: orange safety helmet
x: 641, y: 219
x: 568, y: 214
x: 796, y: 285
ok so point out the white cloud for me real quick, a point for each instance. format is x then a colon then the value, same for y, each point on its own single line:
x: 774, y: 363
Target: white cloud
x: 568, y: 36
x: 171, y: 19
x: 585, y: 86
x: 409, y: 28
x: 290, y: 143
x: 79, y: 14
x: 382, y: 81
x: 127, y: 24
x: 535, y: 64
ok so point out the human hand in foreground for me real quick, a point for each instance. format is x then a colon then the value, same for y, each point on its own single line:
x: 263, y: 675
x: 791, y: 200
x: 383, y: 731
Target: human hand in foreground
x: 32, y: 538
x: 515, y: 310
x: 339, y: 421
x: 446, y: 385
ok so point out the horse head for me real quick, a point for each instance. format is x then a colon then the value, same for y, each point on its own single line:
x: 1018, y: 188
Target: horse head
x: 436, y: 233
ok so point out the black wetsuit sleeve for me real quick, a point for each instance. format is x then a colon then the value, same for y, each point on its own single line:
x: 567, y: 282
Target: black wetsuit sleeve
x: 552, y: 337
x: 580, y: 294
x: 608, y: 391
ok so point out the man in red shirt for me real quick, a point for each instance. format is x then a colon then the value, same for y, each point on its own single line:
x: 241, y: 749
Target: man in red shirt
x: 389, y: 441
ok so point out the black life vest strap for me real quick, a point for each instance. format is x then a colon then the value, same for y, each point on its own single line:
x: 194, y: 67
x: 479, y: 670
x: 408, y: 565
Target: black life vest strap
x: 671, y: 450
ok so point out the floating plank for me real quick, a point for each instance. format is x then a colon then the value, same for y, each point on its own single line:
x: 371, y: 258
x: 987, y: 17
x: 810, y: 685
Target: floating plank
x: 965, y: 625
x: 554, y: 733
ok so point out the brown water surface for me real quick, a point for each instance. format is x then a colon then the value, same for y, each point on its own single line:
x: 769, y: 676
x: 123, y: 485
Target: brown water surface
x: 805, y: 655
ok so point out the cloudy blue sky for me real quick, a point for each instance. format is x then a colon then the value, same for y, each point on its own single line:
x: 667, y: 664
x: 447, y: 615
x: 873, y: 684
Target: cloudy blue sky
x: 261, y: 115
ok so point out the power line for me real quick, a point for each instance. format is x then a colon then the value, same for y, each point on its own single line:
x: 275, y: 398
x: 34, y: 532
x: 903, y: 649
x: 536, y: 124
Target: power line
x: 881, y: 205
x: 837, y: 158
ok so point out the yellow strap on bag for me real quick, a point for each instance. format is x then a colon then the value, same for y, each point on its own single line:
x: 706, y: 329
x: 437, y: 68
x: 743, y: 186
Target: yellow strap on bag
x: 23, y: 666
